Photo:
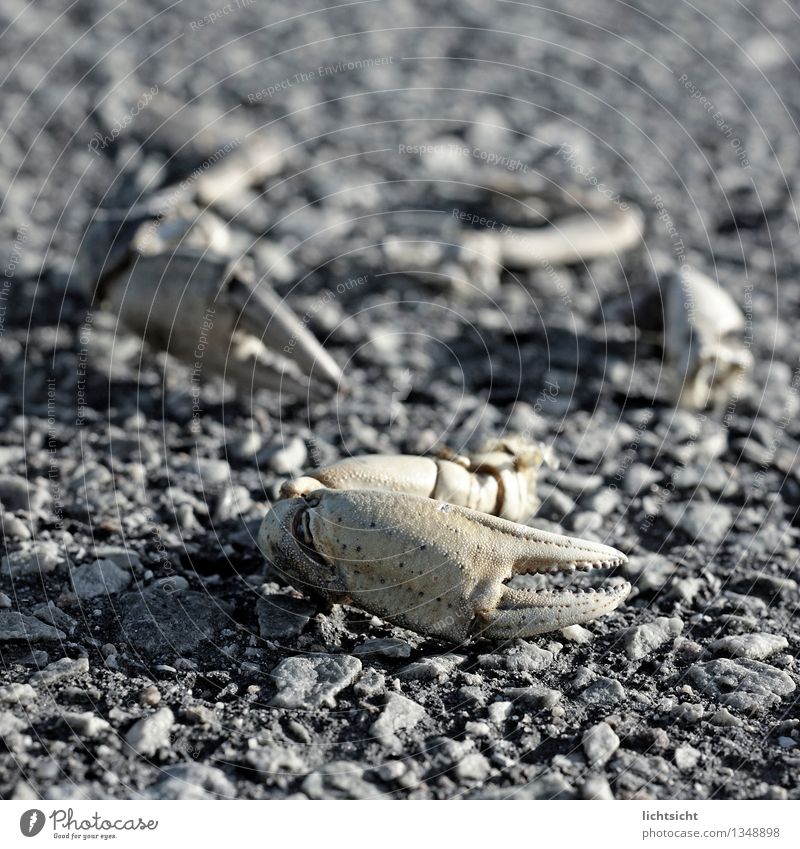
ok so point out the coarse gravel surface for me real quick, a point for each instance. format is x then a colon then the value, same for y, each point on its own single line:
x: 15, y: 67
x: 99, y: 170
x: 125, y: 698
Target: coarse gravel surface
x: 146, y: 651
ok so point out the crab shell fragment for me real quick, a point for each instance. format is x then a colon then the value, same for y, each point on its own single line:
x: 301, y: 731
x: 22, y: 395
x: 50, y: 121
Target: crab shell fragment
x: 436, y: 568
x: 704, y: 332
x: 499, y: 478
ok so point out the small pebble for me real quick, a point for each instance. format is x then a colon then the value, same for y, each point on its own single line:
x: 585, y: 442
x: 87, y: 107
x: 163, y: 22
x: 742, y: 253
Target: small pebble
x: 686, y: 757
x: 599, y: 743
x: 150, y: 696
x: 152, y: 733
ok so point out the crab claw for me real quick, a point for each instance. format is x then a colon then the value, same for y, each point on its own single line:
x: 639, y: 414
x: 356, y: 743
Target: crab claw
x: 171, y: 271
x: 433, y: 567
x: 216, y: 316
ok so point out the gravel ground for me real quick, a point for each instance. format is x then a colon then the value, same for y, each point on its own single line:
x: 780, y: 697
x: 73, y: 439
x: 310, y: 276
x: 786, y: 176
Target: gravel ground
x: 145, y: 649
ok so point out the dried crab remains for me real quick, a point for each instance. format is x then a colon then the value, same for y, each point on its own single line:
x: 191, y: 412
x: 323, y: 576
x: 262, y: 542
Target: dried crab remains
x: 431, y: 565
x: 431, y: 544
x: 177, y: 257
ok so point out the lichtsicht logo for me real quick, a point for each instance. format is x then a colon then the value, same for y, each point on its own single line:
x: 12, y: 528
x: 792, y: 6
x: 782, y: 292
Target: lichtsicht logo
x: 31, y: 822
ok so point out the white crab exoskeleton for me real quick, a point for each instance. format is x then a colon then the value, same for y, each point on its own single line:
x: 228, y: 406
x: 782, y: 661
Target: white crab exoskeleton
x: 172, y: 271
x: 703, y: 340
x: 439, y: 569
x: 524, y: 222
x: 205, y: 309
x: 572, y: 225
x: 499, y: 479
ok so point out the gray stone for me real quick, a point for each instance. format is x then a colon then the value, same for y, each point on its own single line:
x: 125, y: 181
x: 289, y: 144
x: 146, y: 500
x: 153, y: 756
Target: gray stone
x: 276, y: 761
x: 604, y: 501
x: 431, y: 668
x: 523, y: 657
x: 555, y: 503
x: 603, y: 691
x: 473, y: 695
x: 575, y: 482
x: 5, y: 602
x: 472, y: 767
x: 87, y: 724
x: 101, y: 578
x: 597, y: 787
x: 16, y: 493
x: 388, y: 647
x: 534, y: 696
x: 498, y: 712
x: 746, y: 685
x: 172, y: 584
x: 150, y: 696
x: 13, y: 527
x: 212, y: 473
x: 599, y: 743
x: 232, y: 502
x: 772, y: 585
x: 649, y: 572
x: 637, y: 773
x: 548, y: 786
x: 152, y: 733
x: 56, y: 617
x: 246, y: 447
x: 61, y: 670
x: 685, y: 589
x: 39, y: 558
x: 157, y: 622
x: 640, y: 640
x: 392, y: 771
x: 701, y: 521
x: 10, y: 724
x: 35, y: 657
x: 16, y: 693
x: 125, y: 558
x: 742, y: 603
x: 399, y: 714
x: 17, y: 626
x: 723, y: 717
x: 689, y: 713
x: 372, y: 683
x: 283, y: 616
x: 713, y: 478
x: 313, y: 680
x: 585, y: 522
x: 577, y: 634
x: 686, y: 757
x: 339, y: 780
x: 582, y: 676
x: 287, y: 459
x: 754, y: 646
x: 199, y: 714
x: 638, y: 478
x: 192, y: 781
